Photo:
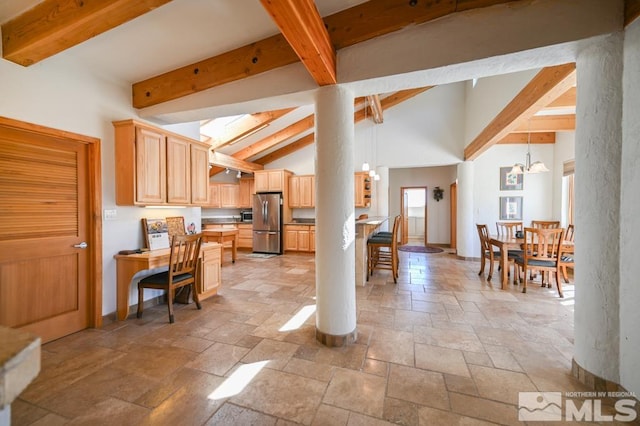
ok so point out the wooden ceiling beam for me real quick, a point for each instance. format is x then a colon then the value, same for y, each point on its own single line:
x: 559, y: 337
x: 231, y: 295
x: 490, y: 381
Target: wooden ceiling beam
x: 548, y: 123
x: 345, y: 28
x: 523, y: 138
x: 358, y: 116
x: 287, y: 149
x: 301, y: 24
x: 401, y: 96
x: 246, y: 61
x: 631, y: 11
x: 244, y: 126
x: 225, y: 161
x: 566, y: 100
x: 543, y: 88
x: 270, y: 141
x: 55, y: 25
x: 375, y: 109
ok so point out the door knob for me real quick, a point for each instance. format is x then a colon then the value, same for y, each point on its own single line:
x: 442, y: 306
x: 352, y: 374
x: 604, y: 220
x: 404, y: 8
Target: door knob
x: 82, y: 245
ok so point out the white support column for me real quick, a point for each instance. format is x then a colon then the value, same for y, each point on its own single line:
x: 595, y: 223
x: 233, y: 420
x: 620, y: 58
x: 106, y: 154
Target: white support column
x: 335, y: 222
x: 597, y: 218
x: 466, y: 230
x: 629, y: 217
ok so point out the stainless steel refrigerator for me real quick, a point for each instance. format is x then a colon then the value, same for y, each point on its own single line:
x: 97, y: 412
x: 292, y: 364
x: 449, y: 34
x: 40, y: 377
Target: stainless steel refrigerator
x: 267, y: 223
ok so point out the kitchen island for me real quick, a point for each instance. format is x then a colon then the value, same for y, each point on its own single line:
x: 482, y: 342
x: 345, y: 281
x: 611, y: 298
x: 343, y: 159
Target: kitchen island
x: 364, y: 229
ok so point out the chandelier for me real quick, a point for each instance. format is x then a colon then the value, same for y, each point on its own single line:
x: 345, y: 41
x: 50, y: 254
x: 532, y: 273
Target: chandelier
x: 528, y: 166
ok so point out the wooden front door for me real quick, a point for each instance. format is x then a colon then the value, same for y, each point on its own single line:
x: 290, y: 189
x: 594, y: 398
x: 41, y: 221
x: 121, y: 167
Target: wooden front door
x: 45, y: 251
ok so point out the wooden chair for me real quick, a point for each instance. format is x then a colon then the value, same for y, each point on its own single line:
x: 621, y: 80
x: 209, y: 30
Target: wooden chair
x: 541, y: 251
x: 565, y: 260
x: 508, y: 228
x: 545, y: 224
x: 568, y: 262
x: 183, y: 271
x: 542, y: 224
x: 382, y: 251
x: 486, y: 250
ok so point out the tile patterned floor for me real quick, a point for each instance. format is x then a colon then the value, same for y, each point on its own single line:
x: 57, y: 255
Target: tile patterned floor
x: 442, y: 347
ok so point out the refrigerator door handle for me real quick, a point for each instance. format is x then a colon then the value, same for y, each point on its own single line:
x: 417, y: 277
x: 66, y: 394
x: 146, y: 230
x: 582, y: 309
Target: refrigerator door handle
x: 264, y: 212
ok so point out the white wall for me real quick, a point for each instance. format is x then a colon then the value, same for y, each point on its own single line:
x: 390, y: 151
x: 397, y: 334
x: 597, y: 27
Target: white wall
x: 423, y: 131
x: 65, y: 95
x: 438, y: 212
x: 487, y: 97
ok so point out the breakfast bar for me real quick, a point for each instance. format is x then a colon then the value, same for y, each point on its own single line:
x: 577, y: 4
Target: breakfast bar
x: 364, y: 229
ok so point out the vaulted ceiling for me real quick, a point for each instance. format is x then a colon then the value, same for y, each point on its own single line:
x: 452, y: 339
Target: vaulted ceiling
x: 299, y: 31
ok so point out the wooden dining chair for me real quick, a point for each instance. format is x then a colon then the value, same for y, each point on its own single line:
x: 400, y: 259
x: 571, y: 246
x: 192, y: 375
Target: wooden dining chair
x: 183, y: 271
x: 545, y: 224
x: 382, y: 251
x: 542, y: 224
x: 568, y: 261
x: 486, y: 250
x: 508, y: 229
x: 541, y: 250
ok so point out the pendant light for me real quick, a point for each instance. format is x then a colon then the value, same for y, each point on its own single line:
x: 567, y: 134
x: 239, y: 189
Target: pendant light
x: 529, y: 167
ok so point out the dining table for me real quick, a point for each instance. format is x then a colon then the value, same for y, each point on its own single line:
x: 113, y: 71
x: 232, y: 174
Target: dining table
x: 506, y: 243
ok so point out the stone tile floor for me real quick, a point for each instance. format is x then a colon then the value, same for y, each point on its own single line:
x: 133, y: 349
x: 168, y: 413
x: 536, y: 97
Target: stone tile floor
x: 442, y: 347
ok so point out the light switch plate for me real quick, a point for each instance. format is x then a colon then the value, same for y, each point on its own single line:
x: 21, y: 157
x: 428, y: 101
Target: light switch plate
x: 110, y: 214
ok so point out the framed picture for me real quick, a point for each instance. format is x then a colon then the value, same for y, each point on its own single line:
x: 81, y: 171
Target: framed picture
x: 510, y: 181
x: 156, y: 233
x: 510, y: 208
x: 175, y: 226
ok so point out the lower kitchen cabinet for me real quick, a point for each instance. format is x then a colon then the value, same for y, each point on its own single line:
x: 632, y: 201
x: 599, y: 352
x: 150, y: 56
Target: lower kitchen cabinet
x: 245, y: 235
x: 299, y: 238
x: 211, y: 270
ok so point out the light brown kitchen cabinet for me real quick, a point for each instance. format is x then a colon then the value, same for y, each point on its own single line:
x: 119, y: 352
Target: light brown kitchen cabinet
x: 149, y: 173
x: 157, y: 167
x: 247, y: 189
x: 299, y: 238
x: 312, y: 238
x: 214, y: 195
x: 199, y: 180
x: 211, y: 270
x: 245, y: 235
x: 302, y: 191
x: 275, y: 180
x: 178, y: 171
x: 229, y: 195
x: 362, y: 192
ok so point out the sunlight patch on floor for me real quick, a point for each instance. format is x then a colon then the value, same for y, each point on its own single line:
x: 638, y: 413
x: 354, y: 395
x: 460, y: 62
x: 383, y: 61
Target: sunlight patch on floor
x: 238, y: 380
x: 298, y: 319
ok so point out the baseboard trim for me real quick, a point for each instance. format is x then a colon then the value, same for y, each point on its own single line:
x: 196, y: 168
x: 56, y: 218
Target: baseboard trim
x: 336, y: 341
x: 595, y: 382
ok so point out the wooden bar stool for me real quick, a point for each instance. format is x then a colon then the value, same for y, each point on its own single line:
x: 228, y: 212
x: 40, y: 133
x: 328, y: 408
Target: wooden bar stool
x: 383, y: 251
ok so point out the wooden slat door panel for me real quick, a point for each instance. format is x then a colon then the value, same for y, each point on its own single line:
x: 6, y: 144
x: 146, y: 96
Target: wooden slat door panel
x: 43, y: 214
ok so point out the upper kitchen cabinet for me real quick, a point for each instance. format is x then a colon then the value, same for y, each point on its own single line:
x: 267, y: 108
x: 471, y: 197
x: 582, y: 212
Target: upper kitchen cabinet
x: 199, y: 179
x: 302, y: 191
x: 275, y: 180
x: 156, y: 167
x: 247, y: 189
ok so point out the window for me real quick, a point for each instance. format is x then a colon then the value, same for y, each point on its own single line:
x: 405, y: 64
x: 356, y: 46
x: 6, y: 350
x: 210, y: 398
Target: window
x: 568, y: 192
